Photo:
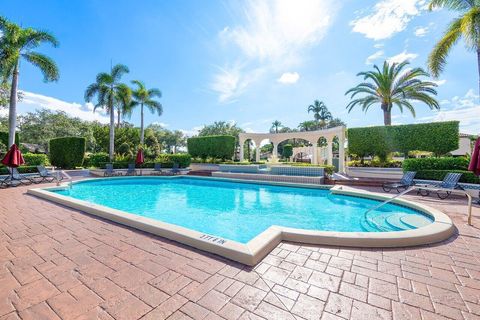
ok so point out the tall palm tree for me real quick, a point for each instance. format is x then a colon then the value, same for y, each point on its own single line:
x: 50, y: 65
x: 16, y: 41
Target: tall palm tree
x: 124, y: 103
x: 308, y: 125
x: 16, y: 44
x: 392, y: 85
x: 275, y: 125
x: 320, y: 112
x: 146, y: 97
x: 108, y: 90
x: 466, y: 25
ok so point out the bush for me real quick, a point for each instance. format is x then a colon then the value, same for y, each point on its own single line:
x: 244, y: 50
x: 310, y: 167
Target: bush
x: 328, y: 168
x: 21, y: 169
x: 36, y: 159
x: 94, y: 159
x: 67, y: 152
x: 446, y: 163
x: 219, y: 147
x: 287, y: 151
x: 183, y: 159
x: 375, y: 164
x: 125, y: 148
x: 439, y: 138
x: 467, y: 176
x: 4, y: 138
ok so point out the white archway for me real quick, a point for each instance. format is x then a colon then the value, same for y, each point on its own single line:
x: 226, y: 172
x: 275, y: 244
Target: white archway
x: 310, y: 136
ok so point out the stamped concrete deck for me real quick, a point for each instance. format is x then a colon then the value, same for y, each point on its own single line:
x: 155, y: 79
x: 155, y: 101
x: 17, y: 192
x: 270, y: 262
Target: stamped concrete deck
x: 58, y: 263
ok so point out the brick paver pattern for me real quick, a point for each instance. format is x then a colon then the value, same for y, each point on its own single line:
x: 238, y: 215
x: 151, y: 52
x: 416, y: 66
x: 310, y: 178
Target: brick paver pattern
x: 58, y: 263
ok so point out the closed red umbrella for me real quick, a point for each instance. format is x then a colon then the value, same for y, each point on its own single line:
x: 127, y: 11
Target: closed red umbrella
x: 13, y: 158
x: 139, y: 160
x: 475, y: 161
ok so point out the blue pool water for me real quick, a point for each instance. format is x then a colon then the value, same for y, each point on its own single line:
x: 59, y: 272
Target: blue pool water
x: 241, y: 211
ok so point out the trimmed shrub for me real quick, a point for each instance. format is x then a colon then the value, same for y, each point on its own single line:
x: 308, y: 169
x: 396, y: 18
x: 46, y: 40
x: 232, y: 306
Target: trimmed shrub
x: 467, y: 176
x: 287, y: 151
x: 36, y: 159
x: 21, y: 169
x: 328, y: 169
x: 67, y: 152
x: 4, y: 138
x: 375, y: 164
x: 438, y: 137
x: 219, y: 147
x: 124, y: 148
x: 183, y: 159
x: 94, y: 159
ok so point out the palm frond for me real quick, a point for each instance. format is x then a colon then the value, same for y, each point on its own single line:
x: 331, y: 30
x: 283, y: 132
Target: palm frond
x: 118, y: 71
x: 456, y: 5
x: 46, y: 65
x: 438, y: 57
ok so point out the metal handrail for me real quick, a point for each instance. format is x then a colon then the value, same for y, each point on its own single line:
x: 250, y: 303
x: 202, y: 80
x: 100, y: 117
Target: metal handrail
x: 69, y: 178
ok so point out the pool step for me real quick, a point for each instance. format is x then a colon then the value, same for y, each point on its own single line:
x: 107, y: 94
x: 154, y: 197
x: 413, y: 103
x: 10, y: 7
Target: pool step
x: 367, y: 227
x: 395, y: 222
x: 415, y: 221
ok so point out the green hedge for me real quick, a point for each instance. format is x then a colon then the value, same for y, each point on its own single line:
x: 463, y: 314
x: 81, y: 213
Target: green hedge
x: 438, y: 137
x: 375, y: 164
x: 446, y: 163
x: 219, y: 147
x: 287, y: 151
x: 167, y: 161
x: 67, y: 152
x: 328, y: 168
x: 21, y: 169
x: 36, y: 159
x: 4, y: 138
x: 467, y: 176
x: 94, y: 159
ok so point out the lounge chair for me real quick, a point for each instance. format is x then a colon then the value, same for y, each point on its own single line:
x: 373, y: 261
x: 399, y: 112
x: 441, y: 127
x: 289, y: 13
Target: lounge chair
x: 444, y: 188
x: 19, y: 178
x: 175, y: 168
x: 110, y: 172
x: 404, y: 183
x: 131, y: 170
x: 45, y: 175
x: 157, y: 169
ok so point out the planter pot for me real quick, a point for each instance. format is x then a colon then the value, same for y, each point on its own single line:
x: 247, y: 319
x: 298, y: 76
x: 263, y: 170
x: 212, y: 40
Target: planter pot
x: 375, y: 173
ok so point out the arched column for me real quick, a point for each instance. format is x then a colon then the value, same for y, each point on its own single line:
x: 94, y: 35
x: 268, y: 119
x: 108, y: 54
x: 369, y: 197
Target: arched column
x: 341, y: 152
x: 329, y: 151
x: 275, y: 151
x: 257, y: 150
x: 242, y: 151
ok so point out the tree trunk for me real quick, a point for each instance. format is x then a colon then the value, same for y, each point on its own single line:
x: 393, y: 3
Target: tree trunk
x: 111, y: 148
x: 142, y: 133
x: 118, y: 118
x: 387, y: 115
x: 12, y: 112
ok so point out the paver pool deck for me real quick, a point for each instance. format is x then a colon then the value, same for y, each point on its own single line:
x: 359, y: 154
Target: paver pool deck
x: 59, y: 263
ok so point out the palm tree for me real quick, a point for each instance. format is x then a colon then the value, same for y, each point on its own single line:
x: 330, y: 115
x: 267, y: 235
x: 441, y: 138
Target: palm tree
x: 108, y: 90
x: 308, y: 125
x: 275, y: 125
x: 320, y: 112
x: 146, y: 97
x: 124, y: 103
x: 17, y: 43
x: 467, y: 25
x: 392, y: 86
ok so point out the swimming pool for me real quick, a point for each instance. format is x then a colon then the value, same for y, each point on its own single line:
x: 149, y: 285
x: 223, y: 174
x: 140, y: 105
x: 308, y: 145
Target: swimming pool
x: 241, y: 211
x: 238, y: 213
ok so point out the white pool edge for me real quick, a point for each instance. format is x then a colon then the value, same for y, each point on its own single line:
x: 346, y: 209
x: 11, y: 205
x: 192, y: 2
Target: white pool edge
x: 256, y: 249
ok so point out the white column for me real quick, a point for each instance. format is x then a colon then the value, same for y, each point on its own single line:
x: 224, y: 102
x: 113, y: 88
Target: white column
x: 314, y: 155
x: 242, y: 143
x: 341, y: 154
x: 257, y: 152
x: 275, y: 152
x: 329, y: 152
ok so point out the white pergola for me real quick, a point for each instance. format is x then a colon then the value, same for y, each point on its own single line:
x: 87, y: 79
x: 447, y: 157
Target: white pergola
x: 310, y: 136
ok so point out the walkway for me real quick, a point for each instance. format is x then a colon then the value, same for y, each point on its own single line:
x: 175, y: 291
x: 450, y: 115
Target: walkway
x: 57, y: 263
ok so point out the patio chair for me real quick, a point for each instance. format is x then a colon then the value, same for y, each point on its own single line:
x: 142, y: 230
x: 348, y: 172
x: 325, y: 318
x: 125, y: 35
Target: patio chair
x: 404, y: 183
x: 20, y: 178
x: 444, y: 188
x: 175, y: 168
x: 157, y: 169
x: 110, y: 172
x: 131, y: 170
x: 45, y: 175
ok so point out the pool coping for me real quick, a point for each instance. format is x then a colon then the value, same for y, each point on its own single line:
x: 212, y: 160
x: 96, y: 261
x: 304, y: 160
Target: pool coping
x: 255, y: 250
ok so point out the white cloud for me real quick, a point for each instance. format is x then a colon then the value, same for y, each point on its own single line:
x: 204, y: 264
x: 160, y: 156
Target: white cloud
x: 191, y: 132
x: 388, y: 18
x: 421, y: 31
x: 231, y: 82
x: 162, y: 124
x: 272, y: 34
x: 401, y: 57
x: 32, y: 101
x: 440, y: 82
x: 289, y: 78
x: 465, y: 109
x: 375, y: 56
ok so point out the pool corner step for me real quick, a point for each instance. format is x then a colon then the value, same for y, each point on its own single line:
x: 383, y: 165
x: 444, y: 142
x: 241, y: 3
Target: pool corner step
x: 415, y: 221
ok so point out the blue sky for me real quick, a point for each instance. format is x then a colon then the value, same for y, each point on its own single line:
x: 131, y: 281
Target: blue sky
x: 251, y: 62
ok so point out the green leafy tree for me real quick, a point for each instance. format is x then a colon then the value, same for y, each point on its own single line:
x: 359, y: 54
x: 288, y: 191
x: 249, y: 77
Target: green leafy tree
x: 393, y: 86
x: 16, y: 44
x: 146, y: 97
x: 108, y: 90
x: 466, y: 26
x: 320, y: 112
x: 309, y: 125
x: 276, y: 125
